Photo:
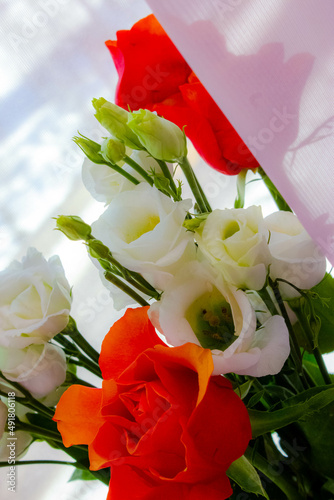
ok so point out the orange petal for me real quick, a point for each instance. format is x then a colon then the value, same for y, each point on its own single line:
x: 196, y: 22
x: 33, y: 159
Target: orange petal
x: 127, y: 338
x: 78, y: 415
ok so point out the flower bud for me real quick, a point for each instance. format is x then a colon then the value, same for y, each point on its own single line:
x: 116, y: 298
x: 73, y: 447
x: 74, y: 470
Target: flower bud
x: 73, y: 227
x: 113, y: 151
x: 161, y: 138
x: 114, y: 119
x: 40, y: 368
x: 90, y: 148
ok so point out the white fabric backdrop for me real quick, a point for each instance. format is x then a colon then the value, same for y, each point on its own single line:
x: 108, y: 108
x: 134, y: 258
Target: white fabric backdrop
x: 270, y: 68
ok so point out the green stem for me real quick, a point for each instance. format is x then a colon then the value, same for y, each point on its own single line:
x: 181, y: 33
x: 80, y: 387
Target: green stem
x: 194, y: 185
x: 138, y: 169
x: 38, y: 431
x: 135, y: 279
x: 241, y: 188
x: 207, y: 204
x: 279, y: 479
x: 309, y: 336
x: 125, y: 288
x: 81, y: 342
x: 295, y: 351
x: 71, y: 350
x: 123, y: 172
x: 40, y: 462
x: 89, y: 365
x: 28, y: 400
x: 277, y: 197
x: 165, y: 170
x: 265, y: 296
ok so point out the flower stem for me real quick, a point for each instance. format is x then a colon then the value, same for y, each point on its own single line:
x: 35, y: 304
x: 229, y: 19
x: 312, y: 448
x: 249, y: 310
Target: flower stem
x: 27, y: 399
x: 80, y: 341
x: 138, y: 169
x: 241, y: 188
x: 72, y: 350
x: 40, y: 462
x: 123, y: 172
x: 195, y: 186
x: 125, y: 288
x: 295, y: 351
x: 277, y: 197
x: 168, y: 175
x: 309, y: 336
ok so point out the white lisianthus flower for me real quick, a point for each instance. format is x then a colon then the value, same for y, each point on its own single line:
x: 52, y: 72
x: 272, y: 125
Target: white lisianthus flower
x: 235, y: 241
x: 103, y: 183
x: 199, y: 307
x: 295, y: 256
x: 143, y: 229
x: 22, y: 439
x: 35, y: 300
x: 40, y: 368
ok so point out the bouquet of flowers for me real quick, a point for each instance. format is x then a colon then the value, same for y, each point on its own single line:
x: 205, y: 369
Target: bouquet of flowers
x: 212, y: 384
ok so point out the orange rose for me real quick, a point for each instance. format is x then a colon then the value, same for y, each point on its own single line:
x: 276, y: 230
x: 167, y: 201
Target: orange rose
x: 162, y: 424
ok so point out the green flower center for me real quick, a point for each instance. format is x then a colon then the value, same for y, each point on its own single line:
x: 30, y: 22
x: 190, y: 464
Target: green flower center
x: 210, y: 317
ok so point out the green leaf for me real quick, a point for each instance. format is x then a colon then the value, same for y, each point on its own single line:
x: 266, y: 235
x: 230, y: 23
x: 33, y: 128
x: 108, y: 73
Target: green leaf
x: 319, y: 432
x: 329, y: 486
x: 244, y: 474
x: 296, y: 408
x: 255, y: 399
x: 322, y: 297
x: 243, y: 390
x: 83, y: 475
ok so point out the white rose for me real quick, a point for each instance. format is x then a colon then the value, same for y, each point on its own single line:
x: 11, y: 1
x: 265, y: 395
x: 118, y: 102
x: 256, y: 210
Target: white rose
x: 295, y: 256
x: 40, y: 368
x: 235, y: 242
x: 199, y: 307
x: 35, y: 300
x: 104, y: 183
x: 143, y: 229
x: 22, y: 439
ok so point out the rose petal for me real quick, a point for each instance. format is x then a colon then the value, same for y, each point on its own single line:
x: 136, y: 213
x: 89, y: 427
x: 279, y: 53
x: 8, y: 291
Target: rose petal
x: 78, y: 415
x: 127, y: 338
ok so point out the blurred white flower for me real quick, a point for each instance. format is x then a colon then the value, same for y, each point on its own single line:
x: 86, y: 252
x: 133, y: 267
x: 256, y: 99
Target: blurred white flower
x: 143, y: 229
x: 295, y: 256
x: 199, y: 307
x: 35, y: 300
x: 40, y: 368
x: 104, y: 183
x: 22, y: 439
x: 235, y: 241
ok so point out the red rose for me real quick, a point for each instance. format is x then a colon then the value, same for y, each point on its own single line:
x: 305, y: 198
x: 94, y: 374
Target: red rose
x: 154, y: 75
x: 163, y: 425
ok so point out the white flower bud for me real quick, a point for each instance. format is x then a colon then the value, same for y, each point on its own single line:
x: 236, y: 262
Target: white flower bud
x: 40, y: 368
x: 295, y: 256
x: 161, y: 138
